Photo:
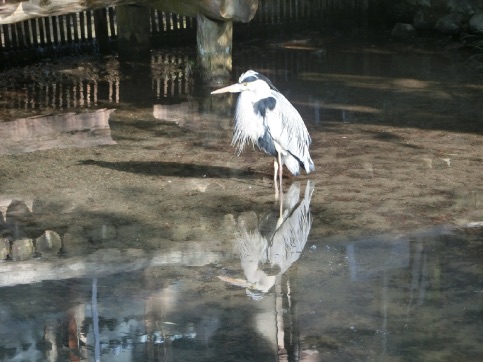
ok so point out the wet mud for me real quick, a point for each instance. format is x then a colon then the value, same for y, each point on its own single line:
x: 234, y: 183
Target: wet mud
x: 122, y: 184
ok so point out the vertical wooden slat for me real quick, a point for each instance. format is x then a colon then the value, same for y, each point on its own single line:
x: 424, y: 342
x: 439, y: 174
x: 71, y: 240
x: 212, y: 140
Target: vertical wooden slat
x: 28, y: 33
x: 82, y: 32
x: 19, y: 34
x: 172, y: 21
x: 168, y: 21
x: 69, y: 26
x: 112, y: 22
x: 89, y: 15
x: 75, y: 26
x: 2, y: 38
x: 55, y: 29
x: 159, y: 21
x: 33, y: 32
x: 82, y: 28
x: 48, y: 30
x: 13, y: 30
x: 108, y: 23
x: 8, y: 35
x: 165, y: 23
x: 44, y: 25
x: 152, y: 21
x: 62, y: 29
x: 38, y: 35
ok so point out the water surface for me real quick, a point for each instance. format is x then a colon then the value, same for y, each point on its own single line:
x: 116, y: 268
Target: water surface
x: 131, y: 231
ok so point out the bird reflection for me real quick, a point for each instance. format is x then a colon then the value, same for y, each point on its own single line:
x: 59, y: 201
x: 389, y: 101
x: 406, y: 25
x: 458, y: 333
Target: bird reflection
x: 277, y: 242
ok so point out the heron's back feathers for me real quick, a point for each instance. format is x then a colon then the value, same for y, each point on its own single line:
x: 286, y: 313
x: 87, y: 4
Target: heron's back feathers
x: 288, y: 131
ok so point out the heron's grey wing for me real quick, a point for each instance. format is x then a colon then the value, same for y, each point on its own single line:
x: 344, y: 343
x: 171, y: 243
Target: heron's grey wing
x: 288, y: 129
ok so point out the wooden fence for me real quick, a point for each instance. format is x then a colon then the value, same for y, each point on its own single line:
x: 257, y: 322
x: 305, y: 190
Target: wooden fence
x: 48, y: 31
x: 79, y: 28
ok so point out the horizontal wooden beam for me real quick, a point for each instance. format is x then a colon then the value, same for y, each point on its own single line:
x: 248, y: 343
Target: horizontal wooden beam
x: 225, y: 10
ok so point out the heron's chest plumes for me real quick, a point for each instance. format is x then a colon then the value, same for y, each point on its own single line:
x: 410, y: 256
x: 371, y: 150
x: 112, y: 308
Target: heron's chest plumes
x: 249, y: 120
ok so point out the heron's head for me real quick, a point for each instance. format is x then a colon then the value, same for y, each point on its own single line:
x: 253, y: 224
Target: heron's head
x: 249, y: 81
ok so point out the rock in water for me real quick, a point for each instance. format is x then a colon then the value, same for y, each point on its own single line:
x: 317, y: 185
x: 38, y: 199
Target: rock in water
x: 48, y: 243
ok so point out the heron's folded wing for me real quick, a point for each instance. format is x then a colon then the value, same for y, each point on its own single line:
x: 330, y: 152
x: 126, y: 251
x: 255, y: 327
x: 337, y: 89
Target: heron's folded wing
x: 287, y: 127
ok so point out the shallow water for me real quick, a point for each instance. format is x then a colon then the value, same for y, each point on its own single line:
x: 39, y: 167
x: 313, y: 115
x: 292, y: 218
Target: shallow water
x: 137, y: 234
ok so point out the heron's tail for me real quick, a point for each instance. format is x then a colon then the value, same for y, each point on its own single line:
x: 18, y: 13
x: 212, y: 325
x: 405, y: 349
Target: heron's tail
x: 294, y: 164
x: 309, y: 165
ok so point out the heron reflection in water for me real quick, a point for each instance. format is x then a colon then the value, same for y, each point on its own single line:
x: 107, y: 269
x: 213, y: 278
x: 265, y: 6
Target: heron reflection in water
x: 267, y: 119
x: 269, y: 251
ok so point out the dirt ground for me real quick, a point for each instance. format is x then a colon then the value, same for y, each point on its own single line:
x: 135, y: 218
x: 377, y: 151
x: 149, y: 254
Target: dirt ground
x: 397, y: 144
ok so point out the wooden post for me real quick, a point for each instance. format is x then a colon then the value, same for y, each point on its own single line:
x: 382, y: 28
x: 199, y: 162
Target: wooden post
x: 133, y: 32
x: 214, y: 40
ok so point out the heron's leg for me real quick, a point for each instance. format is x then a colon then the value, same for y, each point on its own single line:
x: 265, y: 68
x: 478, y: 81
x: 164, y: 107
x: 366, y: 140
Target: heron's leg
x: 275, y: 172
x: 280, y: 170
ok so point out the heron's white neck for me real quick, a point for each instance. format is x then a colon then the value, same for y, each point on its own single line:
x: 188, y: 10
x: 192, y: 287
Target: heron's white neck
x: 260, y: 89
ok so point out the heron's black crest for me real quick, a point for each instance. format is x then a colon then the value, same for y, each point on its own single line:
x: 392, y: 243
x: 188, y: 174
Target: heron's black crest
x: 255, y: 76
x: 250, y: 78
x: 263, y: 105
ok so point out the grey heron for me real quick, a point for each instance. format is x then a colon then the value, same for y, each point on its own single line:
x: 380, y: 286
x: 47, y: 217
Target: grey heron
x: 267, y: 119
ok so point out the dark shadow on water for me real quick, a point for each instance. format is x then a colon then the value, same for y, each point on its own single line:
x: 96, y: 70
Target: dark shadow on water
x: 176, y: 169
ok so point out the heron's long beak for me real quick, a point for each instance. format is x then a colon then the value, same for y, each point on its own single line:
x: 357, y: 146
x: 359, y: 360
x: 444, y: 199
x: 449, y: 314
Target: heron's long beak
x: 234, y: 88
x: 237, y: 282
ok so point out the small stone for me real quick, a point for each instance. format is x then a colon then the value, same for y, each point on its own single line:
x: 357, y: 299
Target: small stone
x: 403, y: 31
x: 476, y: 23
x: 48, y: 243
x: 22, y: 249
x: 450, y: 24
x: 4, y: 248
x: 75, y: 241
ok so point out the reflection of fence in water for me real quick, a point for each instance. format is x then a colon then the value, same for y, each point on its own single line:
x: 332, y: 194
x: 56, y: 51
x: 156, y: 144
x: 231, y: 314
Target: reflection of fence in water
x: 61, y: 96
x: 171, y: 75
x: 65, y: 95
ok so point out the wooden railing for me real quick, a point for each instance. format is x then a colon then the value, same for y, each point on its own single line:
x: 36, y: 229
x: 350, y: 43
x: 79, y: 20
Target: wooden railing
x: 79, y: 27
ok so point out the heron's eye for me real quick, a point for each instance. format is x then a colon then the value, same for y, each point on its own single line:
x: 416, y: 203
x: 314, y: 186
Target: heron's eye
x: 245, y: 84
